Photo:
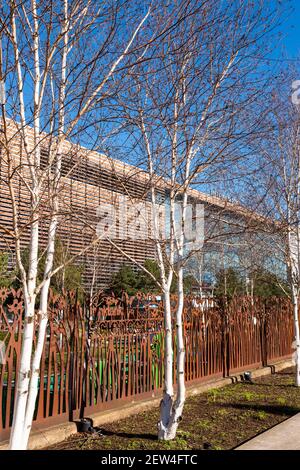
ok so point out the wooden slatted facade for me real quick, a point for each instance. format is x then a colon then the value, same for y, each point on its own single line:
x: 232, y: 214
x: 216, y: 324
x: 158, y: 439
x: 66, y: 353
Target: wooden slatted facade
x: 89, y: 180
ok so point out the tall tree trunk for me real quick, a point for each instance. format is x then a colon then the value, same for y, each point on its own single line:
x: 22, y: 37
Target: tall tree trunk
x: 177, y: 406
x: 295, y: 299
x: 24, y: 373
x: 168, y: 392
x: 17, y: 441
x: 43, y: 321
x: 294, y: 262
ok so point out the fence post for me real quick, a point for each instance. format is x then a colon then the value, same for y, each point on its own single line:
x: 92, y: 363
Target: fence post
x: 72, y: 374
x: 263, y: 336
x: 71, y: 378
x: 225, y: 345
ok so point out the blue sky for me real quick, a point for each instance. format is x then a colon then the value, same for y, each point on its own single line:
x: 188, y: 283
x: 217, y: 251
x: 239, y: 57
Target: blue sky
x: 291, y: 33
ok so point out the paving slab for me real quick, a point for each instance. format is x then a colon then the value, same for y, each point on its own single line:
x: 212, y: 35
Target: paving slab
x: 283, y: 436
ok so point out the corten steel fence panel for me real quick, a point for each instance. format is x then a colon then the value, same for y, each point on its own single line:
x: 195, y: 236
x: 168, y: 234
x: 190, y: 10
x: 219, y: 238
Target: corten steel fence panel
x: 242, y: 327
x: 203, y: 343
x: 279, y: 329
x: 122, y: 359
x: 97, y: 356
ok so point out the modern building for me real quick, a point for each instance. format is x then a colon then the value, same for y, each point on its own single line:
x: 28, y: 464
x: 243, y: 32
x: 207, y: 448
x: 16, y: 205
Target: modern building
x: 91, y: 184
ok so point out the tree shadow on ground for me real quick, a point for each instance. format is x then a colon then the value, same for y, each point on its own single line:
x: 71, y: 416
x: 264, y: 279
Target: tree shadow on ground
x: 273, y: 409
x: 292, y: 374
x: 127, y: 435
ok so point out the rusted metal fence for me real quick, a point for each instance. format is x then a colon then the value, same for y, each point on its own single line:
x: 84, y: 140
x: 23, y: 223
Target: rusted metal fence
x: 98, y: 356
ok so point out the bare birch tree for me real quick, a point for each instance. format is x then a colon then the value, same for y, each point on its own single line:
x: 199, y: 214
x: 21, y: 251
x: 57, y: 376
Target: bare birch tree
x: 59, y: 62
x: 186, y: 116
x: 276, y: 187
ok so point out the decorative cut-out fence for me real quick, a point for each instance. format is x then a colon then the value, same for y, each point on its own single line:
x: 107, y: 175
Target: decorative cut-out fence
x: 99, y: 356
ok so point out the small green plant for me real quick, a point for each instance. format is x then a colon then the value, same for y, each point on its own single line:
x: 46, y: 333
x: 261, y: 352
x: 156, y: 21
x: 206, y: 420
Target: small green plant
x: 281, y: 401
x: 133, y: 445
x: 261, y: 415
x: 217, y: 447
x: 223, y: 412
x: 247, y: 414
x: 176, y: 444
x: 184, y: 434
x: 249, y: 396
x: 204, y: 424
x: 212, y: 395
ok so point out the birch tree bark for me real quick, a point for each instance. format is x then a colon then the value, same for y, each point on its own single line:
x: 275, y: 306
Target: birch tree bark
x: 294, y: 252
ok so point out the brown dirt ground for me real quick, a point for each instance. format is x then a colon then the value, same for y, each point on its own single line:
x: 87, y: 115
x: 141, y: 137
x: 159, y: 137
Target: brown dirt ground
x: 218, y: 419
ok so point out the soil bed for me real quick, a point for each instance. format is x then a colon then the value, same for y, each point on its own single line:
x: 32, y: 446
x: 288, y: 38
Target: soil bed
x: 216, y: 420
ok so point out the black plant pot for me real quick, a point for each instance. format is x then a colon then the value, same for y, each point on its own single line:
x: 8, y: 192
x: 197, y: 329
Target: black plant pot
x: 84, y: 425
x: 248, y: 377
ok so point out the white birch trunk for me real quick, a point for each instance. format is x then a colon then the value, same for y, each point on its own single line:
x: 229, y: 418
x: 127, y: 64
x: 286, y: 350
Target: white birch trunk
x: 168, y: 392
x: 293, y: 250
x: 17, y: 438
x: 43, y: 321
x: 17, y: 441
x: 22, y: 381
x: 297, y: 335
x: 177, y: 406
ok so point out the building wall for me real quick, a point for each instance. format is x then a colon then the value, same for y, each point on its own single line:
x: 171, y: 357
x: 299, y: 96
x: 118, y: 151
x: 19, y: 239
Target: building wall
x: 89, y: 180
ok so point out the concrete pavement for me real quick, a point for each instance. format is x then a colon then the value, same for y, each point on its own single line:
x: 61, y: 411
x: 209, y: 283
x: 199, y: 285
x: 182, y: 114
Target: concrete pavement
x: 283, y: 436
